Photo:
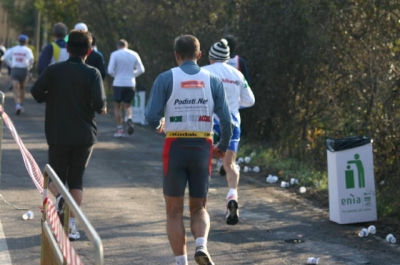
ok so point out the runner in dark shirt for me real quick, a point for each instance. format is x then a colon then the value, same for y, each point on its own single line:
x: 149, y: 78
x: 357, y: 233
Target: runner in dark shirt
x: 73, y: 92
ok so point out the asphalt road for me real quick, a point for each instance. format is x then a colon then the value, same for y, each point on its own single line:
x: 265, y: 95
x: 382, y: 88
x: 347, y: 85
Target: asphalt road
x: 123, y: 201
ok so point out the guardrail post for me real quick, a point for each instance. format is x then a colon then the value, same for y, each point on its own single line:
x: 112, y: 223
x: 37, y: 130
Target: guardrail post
x: 47, y: 256
x: 1, y: 128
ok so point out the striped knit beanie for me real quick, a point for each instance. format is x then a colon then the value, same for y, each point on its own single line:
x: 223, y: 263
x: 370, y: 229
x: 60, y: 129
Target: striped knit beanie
x: 219, y: 51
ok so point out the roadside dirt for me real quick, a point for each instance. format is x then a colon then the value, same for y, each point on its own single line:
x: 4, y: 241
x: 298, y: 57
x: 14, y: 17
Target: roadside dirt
x: 313, y: 201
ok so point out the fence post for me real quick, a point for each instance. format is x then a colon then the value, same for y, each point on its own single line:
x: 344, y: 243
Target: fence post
x: 1, y: 128
x: 50, y: 254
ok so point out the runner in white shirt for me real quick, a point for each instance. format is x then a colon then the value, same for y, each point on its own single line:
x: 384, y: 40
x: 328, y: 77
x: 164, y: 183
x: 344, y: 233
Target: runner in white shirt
x: 20, y: 59
x: 239, y: 95
x: 125, y: 65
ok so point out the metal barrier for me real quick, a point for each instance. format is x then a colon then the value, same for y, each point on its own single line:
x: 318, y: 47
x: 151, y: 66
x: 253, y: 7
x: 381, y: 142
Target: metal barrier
x: 1, y: 127
x: 51, y: 253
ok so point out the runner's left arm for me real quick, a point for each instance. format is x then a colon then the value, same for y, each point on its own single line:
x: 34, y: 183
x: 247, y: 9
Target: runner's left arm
x: 139, y: 68
x: 31, y: 59
x: 247, y: 98
x: 7, y: 57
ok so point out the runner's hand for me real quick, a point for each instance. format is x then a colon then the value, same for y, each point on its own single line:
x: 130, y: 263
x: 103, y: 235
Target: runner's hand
x: 217, y: 152
x: 160, y: 128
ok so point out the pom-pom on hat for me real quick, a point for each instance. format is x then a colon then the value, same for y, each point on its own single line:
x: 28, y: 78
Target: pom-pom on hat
x: 219, y: 51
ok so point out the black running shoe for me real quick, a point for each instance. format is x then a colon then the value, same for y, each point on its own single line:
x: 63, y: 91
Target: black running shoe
x: 202, y: 257
x: 232, y: 216
x: 60, y: 206
x: 131, y: 129
x: 222, y: 171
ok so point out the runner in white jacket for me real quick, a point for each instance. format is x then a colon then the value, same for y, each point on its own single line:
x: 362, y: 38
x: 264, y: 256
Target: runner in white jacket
x: 239, y: 95
x: 20, y: 60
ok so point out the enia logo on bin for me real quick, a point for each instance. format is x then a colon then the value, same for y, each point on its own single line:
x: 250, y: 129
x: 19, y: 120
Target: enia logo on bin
x: 365, y: 199
x: 351, y: 200
x: 350, y: 173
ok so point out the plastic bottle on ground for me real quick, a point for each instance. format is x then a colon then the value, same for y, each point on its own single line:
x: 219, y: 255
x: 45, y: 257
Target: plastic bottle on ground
x: 363, y: 232
x: 372, y: 229
x: 284, y: 184
x: 391, y: 239
x: 313, y: 260
x: 28, y: 215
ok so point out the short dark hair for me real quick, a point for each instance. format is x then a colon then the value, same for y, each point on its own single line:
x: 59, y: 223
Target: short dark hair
x: 122, y: 43
x: 79, y: 42
x: 60, y: 30
x: 187, y: 46
x: 231, y: 42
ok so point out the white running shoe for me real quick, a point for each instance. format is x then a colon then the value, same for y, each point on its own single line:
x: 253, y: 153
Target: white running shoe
x: 18, y: 109
x: 202, y: 257
x: 119, y: 133
x: 219, y: 165
x: 73, y: 234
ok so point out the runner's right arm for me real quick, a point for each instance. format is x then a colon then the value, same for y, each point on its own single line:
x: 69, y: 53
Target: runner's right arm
x: 160, y: 93
x: 111, y: 65
x: 40, y: 87
x: 45, y: 58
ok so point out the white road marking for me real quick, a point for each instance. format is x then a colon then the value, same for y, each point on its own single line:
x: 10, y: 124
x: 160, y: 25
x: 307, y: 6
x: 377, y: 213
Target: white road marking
x: 5, y: 258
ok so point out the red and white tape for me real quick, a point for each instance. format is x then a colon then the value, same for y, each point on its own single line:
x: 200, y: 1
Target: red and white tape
x: 31, y: 166
x: 68, y: 251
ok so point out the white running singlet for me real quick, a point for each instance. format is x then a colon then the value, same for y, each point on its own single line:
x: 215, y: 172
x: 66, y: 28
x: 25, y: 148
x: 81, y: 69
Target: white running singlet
x: 190, y: 106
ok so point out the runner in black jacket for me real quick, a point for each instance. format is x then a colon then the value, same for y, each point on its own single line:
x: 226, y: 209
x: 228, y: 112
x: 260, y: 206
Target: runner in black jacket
x: 73, y: 92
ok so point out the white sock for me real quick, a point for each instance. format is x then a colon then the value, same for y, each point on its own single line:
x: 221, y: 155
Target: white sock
x: 72, y: 223
x: 120, y: 127
x: 181, y: 260
x: 232, y: 194
x: 201, y: 241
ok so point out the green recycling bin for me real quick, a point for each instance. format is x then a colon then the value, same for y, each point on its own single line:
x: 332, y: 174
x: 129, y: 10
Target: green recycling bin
x: 352, y: 197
